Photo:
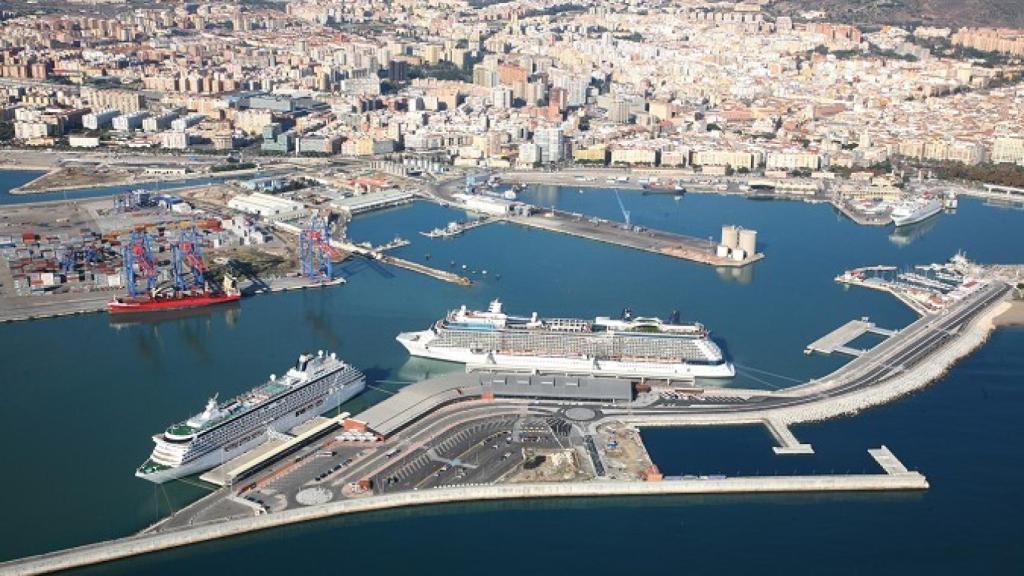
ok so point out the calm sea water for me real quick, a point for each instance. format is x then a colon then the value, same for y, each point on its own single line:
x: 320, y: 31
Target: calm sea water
x: 86, y: 396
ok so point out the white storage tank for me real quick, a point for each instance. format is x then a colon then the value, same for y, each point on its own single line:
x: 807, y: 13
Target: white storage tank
x: 739, y: 255
x: 723, y: 251
x: 748, y: 241
x: 730, y: 237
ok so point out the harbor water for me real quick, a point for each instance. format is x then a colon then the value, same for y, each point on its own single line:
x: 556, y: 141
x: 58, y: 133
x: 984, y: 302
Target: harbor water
x: 85, y: 395
x: 13, y: 178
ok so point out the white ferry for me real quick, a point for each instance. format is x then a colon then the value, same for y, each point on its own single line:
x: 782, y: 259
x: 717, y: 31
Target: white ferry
x: 915, y: 211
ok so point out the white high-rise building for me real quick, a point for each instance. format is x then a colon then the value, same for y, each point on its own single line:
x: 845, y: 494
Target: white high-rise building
x: 551, y: 143
x: 501, y: 97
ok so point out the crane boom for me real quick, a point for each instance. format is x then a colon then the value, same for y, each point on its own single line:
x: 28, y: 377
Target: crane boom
x: 625, y: 213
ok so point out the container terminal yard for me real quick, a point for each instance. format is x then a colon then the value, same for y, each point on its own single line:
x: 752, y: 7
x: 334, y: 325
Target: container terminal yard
x: 500, y: 435
x: 63, y: 257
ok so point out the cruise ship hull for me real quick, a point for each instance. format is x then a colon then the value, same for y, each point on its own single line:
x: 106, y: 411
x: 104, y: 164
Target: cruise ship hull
x: 219, y: 456
x: 920, y: 215
x: 418, y: 344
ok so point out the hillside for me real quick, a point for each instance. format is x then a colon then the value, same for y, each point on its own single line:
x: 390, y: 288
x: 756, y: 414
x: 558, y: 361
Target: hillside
x: 952, y: 13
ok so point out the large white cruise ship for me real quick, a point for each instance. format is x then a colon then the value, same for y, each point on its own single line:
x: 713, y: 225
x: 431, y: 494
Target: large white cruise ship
x: 630, y: 347
x: 316, y: 384
x: 915, y: 211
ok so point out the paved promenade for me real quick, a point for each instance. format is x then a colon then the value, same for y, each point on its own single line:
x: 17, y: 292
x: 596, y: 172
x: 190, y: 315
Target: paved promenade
x: 143, y: 544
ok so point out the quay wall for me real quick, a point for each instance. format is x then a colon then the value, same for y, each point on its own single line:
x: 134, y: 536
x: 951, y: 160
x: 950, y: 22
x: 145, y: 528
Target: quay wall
x: 148, y: 543
x: 939, y: 362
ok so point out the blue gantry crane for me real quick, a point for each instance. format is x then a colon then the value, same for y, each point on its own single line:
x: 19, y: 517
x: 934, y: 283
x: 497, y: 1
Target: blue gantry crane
x: 72, y: 255
x: 188, y: 258
x: 68, y: 260
x: 139, y: 263
x: 315, y: 251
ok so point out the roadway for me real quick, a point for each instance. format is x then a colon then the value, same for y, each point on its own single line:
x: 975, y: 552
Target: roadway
x: 455, y: 445
x: 442, y: 433
x: 893, y: 356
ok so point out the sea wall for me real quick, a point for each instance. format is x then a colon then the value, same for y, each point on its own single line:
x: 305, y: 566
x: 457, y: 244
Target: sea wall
x: 148, y: 543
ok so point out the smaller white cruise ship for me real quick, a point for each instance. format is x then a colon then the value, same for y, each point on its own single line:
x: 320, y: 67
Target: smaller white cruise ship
x: 914, y: 211
x: 316, y: 384
x: 627, y: 347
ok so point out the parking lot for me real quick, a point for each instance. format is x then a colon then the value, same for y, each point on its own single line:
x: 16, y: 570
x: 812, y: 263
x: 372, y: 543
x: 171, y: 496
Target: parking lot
x: 480, y: 452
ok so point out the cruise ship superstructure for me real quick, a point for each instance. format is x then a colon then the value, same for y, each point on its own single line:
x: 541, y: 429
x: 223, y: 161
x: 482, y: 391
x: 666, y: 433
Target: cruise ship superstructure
x: 316, y: 384
x: 915, y: 211
x: 628, y: 347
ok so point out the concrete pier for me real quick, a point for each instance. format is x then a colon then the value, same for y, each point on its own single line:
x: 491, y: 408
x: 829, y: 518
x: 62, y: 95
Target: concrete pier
x: 837, y: 340
x: 860, y: 217
x: 888, y: 461
x: 839, y: 337
x: 374, y: 254
x: 788, y: 444
x: 849, y: 351
x: 427, y: 270
x: 148, y: 543
x: 914, y: 357
x: 657, y: 241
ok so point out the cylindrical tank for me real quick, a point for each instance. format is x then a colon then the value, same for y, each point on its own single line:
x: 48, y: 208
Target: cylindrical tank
x: 730, y: 237
x: 722, y: 251
x: 748, y: 241
x: 739, y: 254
